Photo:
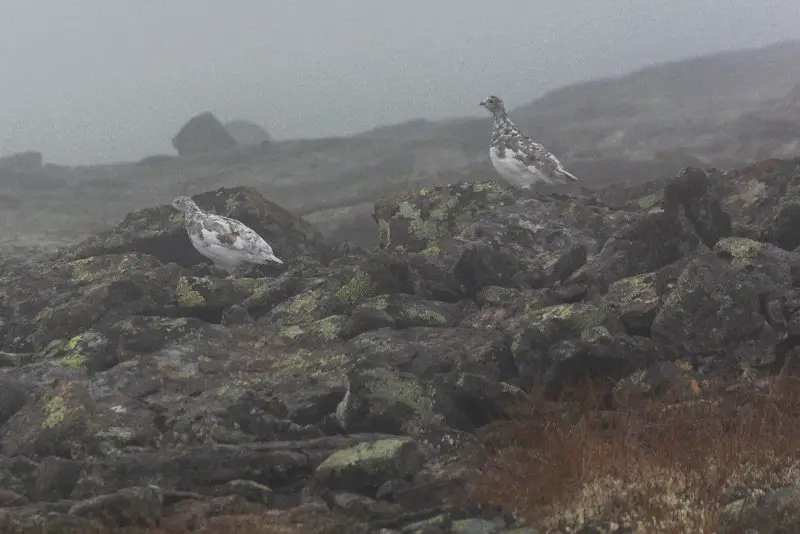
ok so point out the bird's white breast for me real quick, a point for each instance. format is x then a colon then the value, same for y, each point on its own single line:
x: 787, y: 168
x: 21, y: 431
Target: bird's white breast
x: 215, y: 252
x: 513, y: 170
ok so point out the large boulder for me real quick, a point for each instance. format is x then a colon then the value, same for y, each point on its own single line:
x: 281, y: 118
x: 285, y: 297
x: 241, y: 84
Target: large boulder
x: 247, y: 133
x: 203, y: 133
x: 159, y: 231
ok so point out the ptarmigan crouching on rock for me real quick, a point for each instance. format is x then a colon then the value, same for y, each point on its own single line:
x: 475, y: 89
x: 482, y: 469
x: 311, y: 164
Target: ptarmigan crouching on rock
x: 225, y: 241
x: 519, y: 160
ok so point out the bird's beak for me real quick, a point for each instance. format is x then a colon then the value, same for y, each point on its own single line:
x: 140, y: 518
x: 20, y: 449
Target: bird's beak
x: 483, y: 103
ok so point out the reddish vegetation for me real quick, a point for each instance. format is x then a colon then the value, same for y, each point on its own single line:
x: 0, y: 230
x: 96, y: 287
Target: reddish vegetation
x: 668, y: 467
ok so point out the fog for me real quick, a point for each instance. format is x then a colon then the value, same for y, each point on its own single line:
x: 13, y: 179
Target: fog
x: 91, y: 81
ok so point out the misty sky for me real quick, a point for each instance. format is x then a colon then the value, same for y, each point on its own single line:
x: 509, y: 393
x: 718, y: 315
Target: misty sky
x: 105, y: 80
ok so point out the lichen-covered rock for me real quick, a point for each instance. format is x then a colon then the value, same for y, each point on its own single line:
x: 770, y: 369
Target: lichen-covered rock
x: 713, y: 307
x: 647, y: 244
x: 124, y: 364
x: 137, y: 506
x: 694, y: 196
x: 365, y: 467
x: 393, y: 402
x: 418, y: 219
x: 756, y: 194
x: 403, y: 311
x: 208, y: 297
x: 60, y: 300
x: 635, y: 301
x: 160, y: 232
x: 430, y: 351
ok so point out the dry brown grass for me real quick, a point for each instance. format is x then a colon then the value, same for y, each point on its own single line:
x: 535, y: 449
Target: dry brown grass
x: 661, y: 466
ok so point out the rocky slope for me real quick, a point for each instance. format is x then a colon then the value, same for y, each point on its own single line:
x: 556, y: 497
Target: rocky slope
x: 727, y: 109
x: 342, y: 392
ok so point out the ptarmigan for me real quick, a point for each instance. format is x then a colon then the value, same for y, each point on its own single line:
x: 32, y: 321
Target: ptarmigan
x: 519, y: 160
x: 225, y: 241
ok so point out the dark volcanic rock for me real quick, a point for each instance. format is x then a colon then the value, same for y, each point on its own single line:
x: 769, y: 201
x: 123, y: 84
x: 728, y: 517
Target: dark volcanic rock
x: 203, y: 133
x: 343, y: 390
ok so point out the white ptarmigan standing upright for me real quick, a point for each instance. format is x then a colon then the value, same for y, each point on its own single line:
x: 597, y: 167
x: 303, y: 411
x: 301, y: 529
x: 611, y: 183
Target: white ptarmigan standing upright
x: 225, y: 241
x: 518, y: 159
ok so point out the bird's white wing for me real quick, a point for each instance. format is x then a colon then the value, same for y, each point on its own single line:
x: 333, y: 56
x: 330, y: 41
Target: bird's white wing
x: 232, y: 234
x: 536, y: 155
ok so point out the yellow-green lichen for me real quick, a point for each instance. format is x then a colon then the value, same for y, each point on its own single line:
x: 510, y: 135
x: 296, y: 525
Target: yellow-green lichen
x: 44, y: 313
x: 649, y: 201
x: 634, y: 288
x: 73, y: 357
x: 412, y: 311
x: 577, y: 315
x: 310, y: 363
x: 381, y: 302
x: 327, y: 329
x: 432, y: 251
x: 740, y: 248
x: 357, y: 289
x: 305, y: 302
x: 559, y: 311
x: 409, y: 392
x: 330, y: 327
x: 365, y: 455
x: 187, y: 294
x: 498, y: 295
x: 76, y: 362
x: 55, y: 410
x: 80, y: 274
x: 480, y: 187
x: 292, y: 332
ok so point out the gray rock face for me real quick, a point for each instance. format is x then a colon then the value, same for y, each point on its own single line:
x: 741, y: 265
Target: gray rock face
x: 346, y: 389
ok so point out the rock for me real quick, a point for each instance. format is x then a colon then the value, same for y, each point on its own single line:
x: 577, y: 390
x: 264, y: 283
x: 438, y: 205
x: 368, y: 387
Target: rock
x: 713, y: 307
x: 160, y: 233
x: 202, y: 134
x: 247, y: 133
x: 132, y: 506
x: 416, y: 220
x: 647, y: 244
x: 22, y: 162
x: 694, y: 196
x: 252, y: 491
x: 402, y: 311
x: 365, y: 467
x: 56, y: 478
x: 351, y: 389
x: 13, y: 396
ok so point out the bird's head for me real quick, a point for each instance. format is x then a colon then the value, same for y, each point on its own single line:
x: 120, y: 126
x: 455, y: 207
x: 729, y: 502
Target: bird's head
x: 185, y: 205
x: 493, y: 104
